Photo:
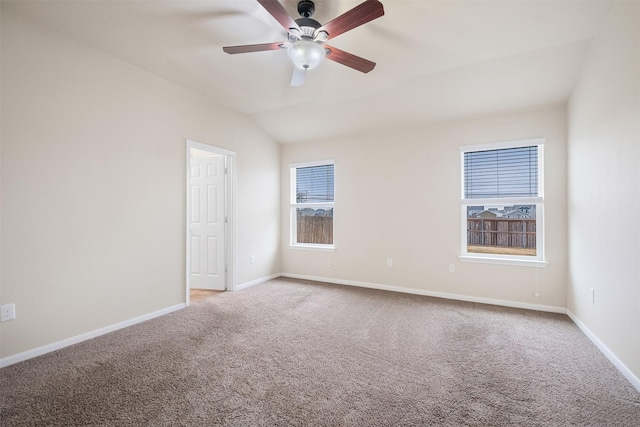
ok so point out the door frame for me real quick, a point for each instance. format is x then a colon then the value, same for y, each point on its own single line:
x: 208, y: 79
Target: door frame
x: 230, y: 213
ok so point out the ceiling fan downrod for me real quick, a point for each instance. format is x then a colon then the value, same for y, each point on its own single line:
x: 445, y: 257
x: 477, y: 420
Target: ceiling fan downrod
x: 306, y: 8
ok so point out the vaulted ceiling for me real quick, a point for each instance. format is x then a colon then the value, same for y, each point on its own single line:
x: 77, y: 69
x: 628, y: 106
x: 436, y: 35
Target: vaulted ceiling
x: 436, y: 60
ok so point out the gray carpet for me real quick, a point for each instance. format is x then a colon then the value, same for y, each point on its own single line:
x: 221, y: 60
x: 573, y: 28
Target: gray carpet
x: 295, y: 353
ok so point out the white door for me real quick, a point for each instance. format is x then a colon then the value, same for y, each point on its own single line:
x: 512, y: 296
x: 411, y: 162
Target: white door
x: 207, y: 223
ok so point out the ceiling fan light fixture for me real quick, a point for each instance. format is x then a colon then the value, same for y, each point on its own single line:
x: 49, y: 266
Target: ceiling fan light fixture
x: 306, y: 36
x: 306, y: 54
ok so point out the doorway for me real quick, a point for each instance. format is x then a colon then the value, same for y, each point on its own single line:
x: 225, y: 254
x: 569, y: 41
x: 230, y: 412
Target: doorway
x: 210, y: 236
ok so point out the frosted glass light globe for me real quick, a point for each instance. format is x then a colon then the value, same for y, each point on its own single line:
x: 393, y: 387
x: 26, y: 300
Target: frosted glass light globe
x: 306, y: 54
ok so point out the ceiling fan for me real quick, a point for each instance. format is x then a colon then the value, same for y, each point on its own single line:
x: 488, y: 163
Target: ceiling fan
x: 306, y: 46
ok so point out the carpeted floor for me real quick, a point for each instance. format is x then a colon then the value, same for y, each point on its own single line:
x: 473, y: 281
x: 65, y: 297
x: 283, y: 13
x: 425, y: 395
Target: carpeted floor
x: 295, y: 353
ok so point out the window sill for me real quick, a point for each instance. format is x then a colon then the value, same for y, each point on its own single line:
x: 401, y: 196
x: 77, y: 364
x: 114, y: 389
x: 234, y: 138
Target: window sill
x: 504, y: 261
x: 320, y: 248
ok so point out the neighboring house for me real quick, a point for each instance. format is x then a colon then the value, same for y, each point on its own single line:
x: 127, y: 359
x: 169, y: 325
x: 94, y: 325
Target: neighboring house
x: 315, y: 212
x: 517, y: 214
x: 487, y: 215
x: 524, y: 212
x: 473, y: 211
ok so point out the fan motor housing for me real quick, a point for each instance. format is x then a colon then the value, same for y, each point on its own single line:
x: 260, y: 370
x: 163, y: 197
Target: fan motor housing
x: 308, y: 22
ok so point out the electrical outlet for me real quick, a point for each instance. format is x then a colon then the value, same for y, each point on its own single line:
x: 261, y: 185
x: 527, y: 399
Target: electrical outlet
x: 252, y: 259
x: 452, y: 268
x: 7, y: 312
x: 592, y: 295
x: 389, y: 262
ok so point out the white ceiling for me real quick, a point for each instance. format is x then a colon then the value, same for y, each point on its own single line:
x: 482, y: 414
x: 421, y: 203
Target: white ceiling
x: 436, y: 60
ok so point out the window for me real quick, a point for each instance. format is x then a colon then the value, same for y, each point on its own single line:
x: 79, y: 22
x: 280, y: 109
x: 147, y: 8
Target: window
x: 502, y: 203
x: 312, y: 188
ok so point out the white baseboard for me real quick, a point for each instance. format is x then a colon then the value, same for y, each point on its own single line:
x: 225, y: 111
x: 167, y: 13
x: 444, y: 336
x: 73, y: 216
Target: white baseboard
x: 246, y: 285
x: 635, y: 381
x: 10, y: 360
x: 505, y: 303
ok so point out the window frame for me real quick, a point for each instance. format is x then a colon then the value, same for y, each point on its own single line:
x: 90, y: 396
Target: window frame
x: 533, y: 261
x: 294, y: 204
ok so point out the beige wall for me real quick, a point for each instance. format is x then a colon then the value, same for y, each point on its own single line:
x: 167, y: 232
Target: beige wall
x: 604, y: 188
x: 398, y: 196
x: 93, y: 187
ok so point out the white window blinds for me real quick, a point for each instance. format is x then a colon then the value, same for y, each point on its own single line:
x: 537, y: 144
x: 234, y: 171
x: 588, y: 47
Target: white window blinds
x: 314, y: 184
x: 510, y: 172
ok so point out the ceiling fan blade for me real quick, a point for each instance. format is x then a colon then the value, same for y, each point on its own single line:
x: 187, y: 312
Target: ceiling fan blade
x: 254, y: 47
x: 277, y: 10
x: 349, y: 59
x: 298, y: 76
x: 361, y: 14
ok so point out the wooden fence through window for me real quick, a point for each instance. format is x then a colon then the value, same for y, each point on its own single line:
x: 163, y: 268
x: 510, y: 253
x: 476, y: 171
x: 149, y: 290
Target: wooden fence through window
x: 502, y: 232
x: 315, y: 229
